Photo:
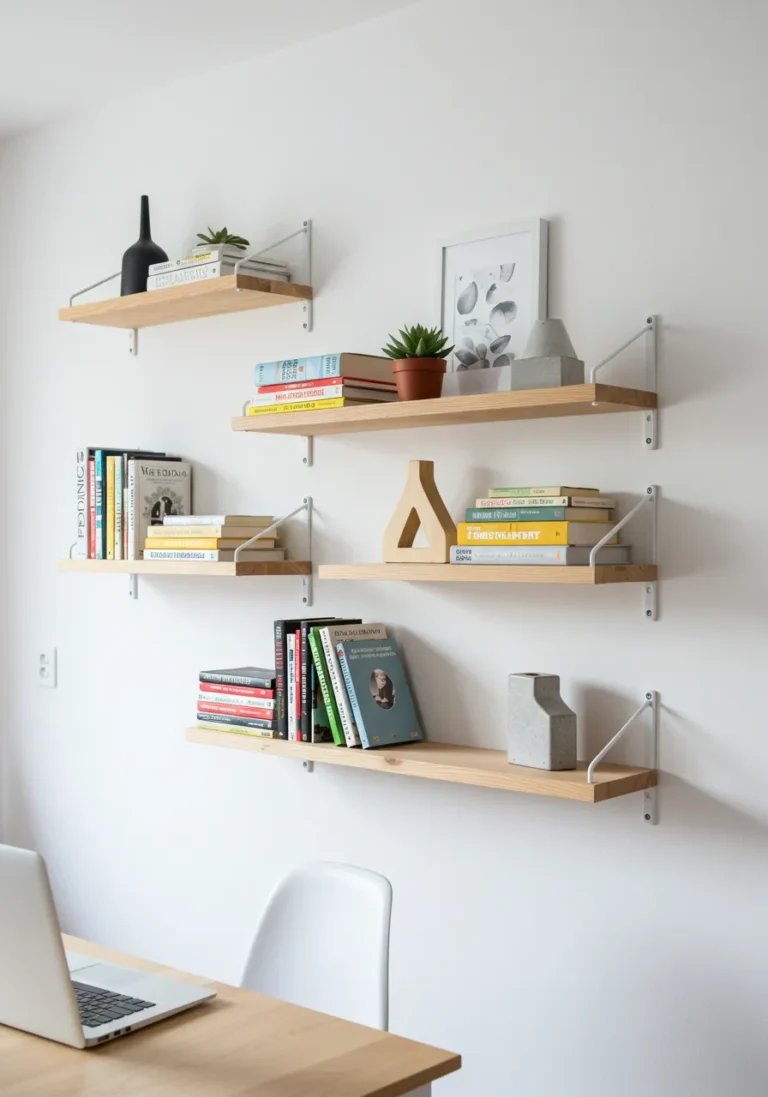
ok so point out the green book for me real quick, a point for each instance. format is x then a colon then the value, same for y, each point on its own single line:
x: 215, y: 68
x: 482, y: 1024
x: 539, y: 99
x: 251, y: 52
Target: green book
x: 326, y: 693
x: 515, y: 514
x: 379, y: 693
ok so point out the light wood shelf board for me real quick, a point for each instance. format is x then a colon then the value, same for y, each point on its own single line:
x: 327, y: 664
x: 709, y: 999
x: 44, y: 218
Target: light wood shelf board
x: 492, y: 573
x: 191, y: 567
x: 446, y: 762
x: 213, y: 297
x: 490, y: 407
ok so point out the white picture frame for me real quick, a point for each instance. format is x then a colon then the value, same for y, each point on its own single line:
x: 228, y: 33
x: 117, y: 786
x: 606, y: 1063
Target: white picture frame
x: 493, y: 286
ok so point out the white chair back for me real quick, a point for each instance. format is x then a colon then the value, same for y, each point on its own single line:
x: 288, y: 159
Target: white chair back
x: 323, y: 943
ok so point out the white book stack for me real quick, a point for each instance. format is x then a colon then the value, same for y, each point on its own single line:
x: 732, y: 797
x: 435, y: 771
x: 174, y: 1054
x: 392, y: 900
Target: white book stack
x: 214, y: 262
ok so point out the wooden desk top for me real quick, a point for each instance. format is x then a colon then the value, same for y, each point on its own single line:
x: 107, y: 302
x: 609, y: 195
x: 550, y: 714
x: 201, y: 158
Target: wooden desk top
x: 239, y: 1045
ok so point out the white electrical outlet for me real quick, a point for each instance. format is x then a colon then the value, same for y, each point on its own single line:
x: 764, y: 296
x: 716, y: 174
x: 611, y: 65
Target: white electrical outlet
x: 46, y: 669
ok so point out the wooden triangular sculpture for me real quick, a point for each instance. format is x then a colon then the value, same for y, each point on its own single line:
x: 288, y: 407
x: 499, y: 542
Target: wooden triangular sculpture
x: 420, y: 505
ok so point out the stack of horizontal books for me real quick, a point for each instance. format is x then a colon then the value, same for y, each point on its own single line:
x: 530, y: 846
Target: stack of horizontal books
x: 538, y: 525
x: 239, y: 699
x: 323, y: 381
x: 214, y: 262
x: 213, y: 537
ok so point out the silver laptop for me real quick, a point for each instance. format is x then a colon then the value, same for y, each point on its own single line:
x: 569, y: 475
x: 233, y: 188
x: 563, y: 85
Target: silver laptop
x: 65, y: 997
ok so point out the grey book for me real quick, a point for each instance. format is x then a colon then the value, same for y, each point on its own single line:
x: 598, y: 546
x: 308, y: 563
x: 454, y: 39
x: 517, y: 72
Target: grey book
x: 539, y: 554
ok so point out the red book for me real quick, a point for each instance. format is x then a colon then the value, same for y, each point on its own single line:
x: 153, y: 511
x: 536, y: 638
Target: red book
x: 91, y: 484
x: 237, y: 710
x: 244, y: 691
x: 357, y: 382
x: 297, y: 664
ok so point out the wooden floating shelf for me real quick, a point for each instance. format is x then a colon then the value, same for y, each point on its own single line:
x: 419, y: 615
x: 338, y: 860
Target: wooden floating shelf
x: 188, y: 567
x: 490, y: 407
x: 445, y: 762
x: 213, y: 297
x: 493, y: 573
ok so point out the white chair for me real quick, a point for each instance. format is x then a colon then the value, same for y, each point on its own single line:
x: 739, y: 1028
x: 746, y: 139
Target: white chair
x: 323, y: 942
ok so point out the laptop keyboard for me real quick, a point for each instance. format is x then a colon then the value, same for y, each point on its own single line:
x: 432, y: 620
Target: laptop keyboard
x: 99, y: 1007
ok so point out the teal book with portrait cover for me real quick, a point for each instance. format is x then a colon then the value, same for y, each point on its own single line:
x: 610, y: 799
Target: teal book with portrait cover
x: 379, y: 694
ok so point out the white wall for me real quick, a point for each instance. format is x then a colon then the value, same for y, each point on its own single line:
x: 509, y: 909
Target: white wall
x: 560, y: 948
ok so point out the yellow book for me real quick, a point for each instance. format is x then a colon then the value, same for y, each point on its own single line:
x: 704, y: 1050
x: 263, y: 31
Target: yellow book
x: 300, y: 405
x: 110, y: 508
x: 534, y: 533
x: 206, y: 542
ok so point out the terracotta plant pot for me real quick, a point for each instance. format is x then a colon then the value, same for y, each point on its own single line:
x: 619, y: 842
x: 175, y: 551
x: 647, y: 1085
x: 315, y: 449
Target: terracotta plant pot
x: 419, y: 378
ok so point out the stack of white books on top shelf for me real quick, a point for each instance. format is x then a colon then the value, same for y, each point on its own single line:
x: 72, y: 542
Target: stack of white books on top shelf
x: 215, y: 262
x: 212, y: 537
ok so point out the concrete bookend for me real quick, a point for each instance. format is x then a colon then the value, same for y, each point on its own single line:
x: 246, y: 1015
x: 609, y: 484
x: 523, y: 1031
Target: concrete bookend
x: 542, y: 729
x: 420, y: 505
x: 546, y: 373
x: 549, y: 339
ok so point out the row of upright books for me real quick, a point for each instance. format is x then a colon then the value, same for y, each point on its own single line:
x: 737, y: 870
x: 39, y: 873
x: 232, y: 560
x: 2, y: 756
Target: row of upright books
x: 120, y: 493
x: 212, y: 537
x: 539, y: 525
x: 323, y: 381
x: 214, y: 262
x: 335, y: 680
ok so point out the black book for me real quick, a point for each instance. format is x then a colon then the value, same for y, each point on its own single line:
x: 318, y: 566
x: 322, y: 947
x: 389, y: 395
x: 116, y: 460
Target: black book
x: 257, y: 677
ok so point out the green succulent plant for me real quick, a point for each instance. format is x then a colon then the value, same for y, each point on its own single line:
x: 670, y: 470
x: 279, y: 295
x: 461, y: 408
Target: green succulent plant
x: 223, y: 237
x: 418, y: 342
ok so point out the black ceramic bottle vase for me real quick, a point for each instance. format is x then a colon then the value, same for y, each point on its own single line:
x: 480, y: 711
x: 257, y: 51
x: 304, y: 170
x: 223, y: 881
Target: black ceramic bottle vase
x: 139, y: 256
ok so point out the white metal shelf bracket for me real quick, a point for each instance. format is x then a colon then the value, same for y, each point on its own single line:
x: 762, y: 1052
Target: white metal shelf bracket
x: 305, y: 506
x: 650, y: 417
x: 309, y: 452
x: 309, y: 767
x: 306, y: 232
x: 133, y: 333
x: 650, y: 800
x: 651, y: 497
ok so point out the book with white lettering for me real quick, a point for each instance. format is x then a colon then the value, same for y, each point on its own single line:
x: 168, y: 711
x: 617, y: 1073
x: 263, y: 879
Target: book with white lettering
x: 540, y: 533
x: 379, y: 693
x: 329, y: 638
x: 322, y: 391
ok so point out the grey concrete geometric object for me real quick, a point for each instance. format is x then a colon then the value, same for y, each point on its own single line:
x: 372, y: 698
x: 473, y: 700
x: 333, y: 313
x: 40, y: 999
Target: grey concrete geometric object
x: 546, y: 373
x: 549, y: 339
x: 542, y: 729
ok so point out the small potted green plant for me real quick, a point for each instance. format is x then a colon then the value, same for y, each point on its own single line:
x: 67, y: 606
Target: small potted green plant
x: 419, y: 361
x: 228, y: 242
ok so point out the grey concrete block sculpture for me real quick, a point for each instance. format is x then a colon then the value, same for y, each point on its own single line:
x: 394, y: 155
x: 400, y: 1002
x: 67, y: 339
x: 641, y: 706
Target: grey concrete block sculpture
x: 548, y: 360
x: 542, y: 729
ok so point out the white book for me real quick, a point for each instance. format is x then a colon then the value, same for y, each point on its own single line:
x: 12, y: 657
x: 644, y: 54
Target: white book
x: 205, y: 271
x: 216, y: 254
x: 81, y: 546
x: 247, y: 556
x: 243, y: 533
x: 291, y: 686
x: 236, y: 699
x: 601, y: 501
x: 218, y: 520
x: 530, y: 555
x: 329, y: 637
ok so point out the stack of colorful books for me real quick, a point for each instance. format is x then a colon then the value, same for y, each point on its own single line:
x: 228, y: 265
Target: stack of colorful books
x: 239, y: 699
x: 324, y: 381
x: 214, y: 262
x: 213, y: 537
x: 120, y: 493
x: 538, y: 525
x: 341, y: 681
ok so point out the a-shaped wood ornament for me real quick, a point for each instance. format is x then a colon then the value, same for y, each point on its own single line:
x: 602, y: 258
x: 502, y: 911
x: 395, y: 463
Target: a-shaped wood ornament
x: 420, y: 506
